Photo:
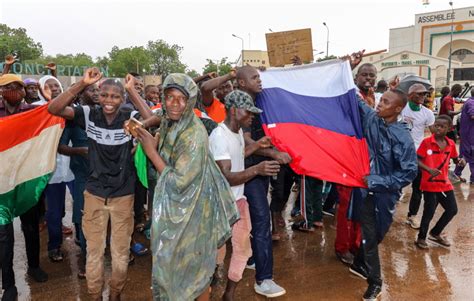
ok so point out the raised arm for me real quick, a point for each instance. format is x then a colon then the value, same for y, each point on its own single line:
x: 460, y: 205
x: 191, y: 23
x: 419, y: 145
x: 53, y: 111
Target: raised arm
x: 52, y: 68
x: 137, y: 101
x: 9, y: 61
x: 208, y: 87
x: 60, y: 106
x: 200, y: 78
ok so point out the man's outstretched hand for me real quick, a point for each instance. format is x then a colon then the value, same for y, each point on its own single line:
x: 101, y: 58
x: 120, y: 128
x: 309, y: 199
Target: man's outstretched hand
x: 354, y: 59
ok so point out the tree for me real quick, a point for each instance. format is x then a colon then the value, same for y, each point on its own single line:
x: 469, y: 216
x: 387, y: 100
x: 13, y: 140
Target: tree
x: 131, y: 59
x: 15, y: 40
x: 192, y: 73
x: 102, y: 61
x: 165, y: 58
x: 80, y: 59
x: 326, y: 58
x: 222, y: 67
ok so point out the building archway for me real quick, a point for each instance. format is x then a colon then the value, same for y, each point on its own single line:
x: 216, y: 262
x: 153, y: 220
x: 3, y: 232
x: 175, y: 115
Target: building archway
x: 458, y: 46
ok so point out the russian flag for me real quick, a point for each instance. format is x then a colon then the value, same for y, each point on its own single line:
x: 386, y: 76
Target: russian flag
x: 311, y: 112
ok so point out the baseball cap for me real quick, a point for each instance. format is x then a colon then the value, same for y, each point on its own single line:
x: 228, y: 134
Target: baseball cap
x: 178, y: 87
x: 417, y: 88
x: 241, y: 100
x: 10, y: 78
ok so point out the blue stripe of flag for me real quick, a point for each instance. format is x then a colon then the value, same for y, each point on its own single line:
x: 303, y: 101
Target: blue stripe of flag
x: 339, y: 114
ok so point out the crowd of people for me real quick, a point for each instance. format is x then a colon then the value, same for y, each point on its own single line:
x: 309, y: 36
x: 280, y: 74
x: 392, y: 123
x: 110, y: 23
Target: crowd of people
x: 209, y: 166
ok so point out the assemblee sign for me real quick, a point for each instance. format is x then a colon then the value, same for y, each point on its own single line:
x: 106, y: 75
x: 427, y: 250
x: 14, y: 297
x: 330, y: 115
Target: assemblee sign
x: 405, y: 63
x: 62, y: 70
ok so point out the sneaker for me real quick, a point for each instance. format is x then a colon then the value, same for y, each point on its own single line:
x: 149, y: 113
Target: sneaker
x: 250, y: 266
x: 269, y: 289
x: 413, y: 222
x: 421, y: 243
x: 37, y: 274
x: 301, y: 226
x: 439, y: 240
x: 372, y: 292
x: 346, y: 258
x: 358, y: 271
x: 55, y: 255
x: 10, y: 294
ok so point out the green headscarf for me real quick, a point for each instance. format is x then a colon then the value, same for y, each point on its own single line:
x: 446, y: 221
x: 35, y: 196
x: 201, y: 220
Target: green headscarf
x: 193, y: 209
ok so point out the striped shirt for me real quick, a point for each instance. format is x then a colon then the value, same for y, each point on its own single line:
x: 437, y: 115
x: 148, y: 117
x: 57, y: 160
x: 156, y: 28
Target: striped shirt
x: 111, y: 172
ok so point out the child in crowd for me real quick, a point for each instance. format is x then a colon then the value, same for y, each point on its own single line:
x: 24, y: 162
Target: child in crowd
x: 434, y: 154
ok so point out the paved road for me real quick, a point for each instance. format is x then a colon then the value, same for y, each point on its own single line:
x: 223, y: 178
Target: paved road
x: 304, y: 264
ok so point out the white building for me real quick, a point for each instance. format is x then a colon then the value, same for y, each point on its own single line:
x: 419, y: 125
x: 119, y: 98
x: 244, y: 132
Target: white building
x: 423, y: 49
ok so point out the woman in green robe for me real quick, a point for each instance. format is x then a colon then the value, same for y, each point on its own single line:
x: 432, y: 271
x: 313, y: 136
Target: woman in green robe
x: 193, y: 209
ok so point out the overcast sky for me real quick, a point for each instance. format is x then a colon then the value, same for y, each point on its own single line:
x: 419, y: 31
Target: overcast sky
x: 204, y: 28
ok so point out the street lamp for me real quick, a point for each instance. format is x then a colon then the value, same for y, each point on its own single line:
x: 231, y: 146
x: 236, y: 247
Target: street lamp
x: 448, y: 77
x: 327, y: 40
x: 242, y: 56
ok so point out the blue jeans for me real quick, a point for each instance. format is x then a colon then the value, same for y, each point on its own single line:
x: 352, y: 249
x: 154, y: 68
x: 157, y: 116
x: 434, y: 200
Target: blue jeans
x: 55, y: 200
x: 256, y: 192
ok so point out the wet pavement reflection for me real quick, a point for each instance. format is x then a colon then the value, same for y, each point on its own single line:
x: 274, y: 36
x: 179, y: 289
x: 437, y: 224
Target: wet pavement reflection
x: 304, y: 264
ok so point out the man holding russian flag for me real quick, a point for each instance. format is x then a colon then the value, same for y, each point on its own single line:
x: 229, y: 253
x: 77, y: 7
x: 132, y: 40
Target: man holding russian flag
x: 313, y: 113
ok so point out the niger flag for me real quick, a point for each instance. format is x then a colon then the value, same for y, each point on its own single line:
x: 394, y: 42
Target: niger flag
x: 28, y: 147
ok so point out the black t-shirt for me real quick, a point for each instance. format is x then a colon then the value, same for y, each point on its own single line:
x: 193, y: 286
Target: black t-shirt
x: 111, y: 170
x: 256, y: 132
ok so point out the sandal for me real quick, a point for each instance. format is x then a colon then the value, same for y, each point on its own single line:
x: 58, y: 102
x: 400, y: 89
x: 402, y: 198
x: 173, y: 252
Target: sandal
x: 66, y: 230
x: 140, y: 227
x: 81, y: 275
x: 281, y: 221
x: 139, y: 249
x: 276, y: 236
x: 318, y: 224
x: 42, y: 226
x: 131, y: 259
x: 301, y: 226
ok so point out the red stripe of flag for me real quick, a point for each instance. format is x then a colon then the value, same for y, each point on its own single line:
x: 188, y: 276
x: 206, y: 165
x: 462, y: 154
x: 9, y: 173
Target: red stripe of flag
x: 18, y: 128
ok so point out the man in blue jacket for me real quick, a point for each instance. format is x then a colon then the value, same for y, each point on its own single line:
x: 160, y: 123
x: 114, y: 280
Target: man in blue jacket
x: 393, y: 165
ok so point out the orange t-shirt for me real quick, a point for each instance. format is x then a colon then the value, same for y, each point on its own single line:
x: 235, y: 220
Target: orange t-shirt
x: 216, y: 110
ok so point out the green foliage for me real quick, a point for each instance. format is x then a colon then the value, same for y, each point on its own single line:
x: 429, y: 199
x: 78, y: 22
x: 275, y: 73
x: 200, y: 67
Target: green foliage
x: 222, y: 67
x: 131, y: 59
x: 80, y: 59
x: 15, y: 40
x: 327, y: 58
x: 102, y: 61
x: 192, y: 73
x: 165, y: 58
x: 158, y: 57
